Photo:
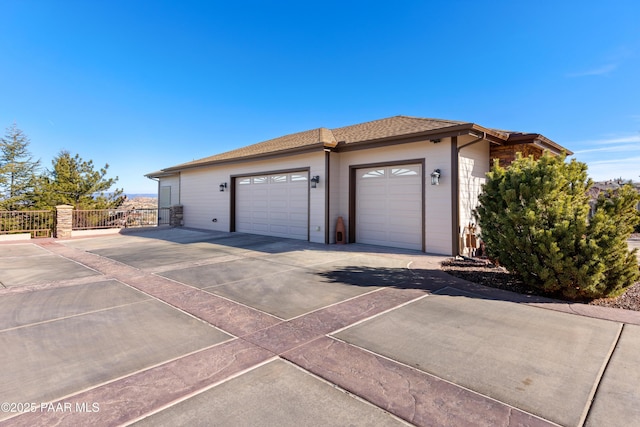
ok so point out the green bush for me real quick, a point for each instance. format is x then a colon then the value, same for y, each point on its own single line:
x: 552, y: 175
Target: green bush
x: 534, y: 220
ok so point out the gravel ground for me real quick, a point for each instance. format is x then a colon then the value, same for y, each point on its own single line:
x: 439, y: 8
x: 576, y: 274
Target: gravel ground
x: 483, y: 272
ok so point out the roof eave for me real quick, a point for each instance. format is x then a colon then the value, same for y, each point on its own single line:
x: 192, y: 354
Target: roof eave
x: 432, y: 134
x: 159, y: 174
x: 260, y: 156
x: 540, y: 141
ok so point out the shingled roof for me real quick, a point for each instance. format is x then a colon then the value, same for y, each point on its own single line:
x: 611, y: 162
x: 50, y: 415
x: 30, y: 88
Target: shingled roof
x: 397, y: 127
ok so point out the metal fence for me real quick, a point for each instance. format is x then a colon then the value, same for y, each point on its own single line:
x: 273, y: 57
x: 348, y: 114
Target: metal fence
x: 37, y: 223
x: 114, y: 218
x: 164, y: 215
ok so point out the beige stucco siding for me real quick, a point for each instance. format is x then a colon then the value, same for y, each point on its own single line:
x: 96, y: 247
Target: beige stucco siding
x: 474, y: 163
x: 437, y: 198
x: 203, y: 201
x: 174, y: 183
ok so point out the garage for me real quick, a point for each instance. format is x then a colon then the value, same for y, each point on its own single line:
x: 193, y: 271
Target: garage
x: 389, y: 206
x: 273, y: 205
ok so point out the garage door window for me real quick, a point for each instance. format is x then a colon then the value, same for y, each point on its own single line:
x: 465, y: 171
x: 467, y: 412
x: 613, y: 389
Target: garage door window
x: 260, y: 180
x: 404, y: 172
x: 373, y: 173
x: 277, y: 179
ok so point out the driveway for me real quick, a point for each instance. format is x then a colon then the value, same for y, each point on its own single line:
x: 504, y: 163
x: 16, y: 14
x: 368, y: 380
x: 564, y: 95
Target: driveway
x: 184, y: 327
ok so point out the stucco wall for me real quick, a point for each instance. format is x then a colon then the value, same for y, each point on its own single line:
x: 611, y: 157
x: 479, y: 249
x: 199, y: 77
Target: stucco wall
x: 473, y: 164
x: 174, y: 183
x: 203, y: 201
x: 438, y: 214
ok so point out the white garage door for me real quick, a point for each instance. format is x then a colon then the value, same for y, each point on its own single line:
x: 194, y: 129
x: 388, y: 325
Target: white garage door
x: 273, y: 205
x: 389, y: 206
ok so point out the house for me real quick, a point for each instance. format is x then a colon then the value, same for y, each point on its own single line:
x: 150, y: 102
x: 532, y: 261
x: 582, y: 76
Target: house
x: 402, y: 182
x: 599, y: 187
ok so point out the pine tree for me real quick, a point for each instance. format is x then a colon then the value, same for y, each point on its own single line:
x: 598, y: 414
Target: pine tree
x: 75, y: 182
x: 17, y: 170
x: 534, y: 219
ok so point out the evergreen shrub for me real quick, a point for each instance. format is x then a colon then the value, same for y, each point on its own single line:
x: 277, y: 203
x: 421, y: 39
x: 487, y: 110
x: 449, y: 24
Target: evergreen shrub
x: 535, y: 221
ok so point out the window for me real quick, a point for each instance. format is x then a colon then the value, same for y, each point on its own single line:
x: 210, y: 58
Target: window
x: 260, y: 180
x: 405, y: 171
x: 276, y: 179
x: 373, y: 173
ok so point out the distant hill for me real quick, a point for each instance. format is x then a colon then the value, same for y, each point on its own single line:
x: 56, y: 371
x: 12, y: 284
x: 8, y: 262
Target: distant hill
x: 140, y: 202
x: 133, y: 196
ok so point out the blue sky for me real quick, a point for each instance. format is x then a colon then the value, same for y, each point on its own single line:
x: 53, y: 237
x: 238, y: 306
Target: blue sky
x: 143, y: 85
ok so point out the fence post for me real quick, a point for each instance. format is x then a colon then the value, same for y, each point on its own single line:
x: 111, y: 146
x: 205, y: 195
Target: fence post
x: 176, y: 215
x: 64, y: 221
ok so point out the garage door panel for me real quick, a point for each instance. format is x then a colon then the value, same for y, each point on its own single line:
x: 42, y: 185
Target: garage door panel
x: 278, y: 207
x: 389, y: 206
x: 298, y: 218
x: 278, y: 229
x: 278, y: 204
x: 371, y: 190
x: 402, y: 192
x: 278, y: 216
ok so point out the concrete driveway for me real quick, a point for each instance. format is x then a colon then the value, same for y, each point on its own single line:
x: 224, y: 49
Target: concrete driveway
x: 183, y: 327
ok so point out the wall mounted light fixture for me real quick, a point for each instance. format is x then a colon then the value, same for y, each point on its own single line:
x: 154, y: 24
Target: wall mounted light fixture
x: 314, y: 181
x: 435, y: 177
x: 223, y: 186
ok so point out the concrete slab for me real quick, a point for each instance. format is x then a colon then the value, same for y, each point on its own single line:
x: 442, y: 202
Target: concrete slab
x: 104, y: 242
x: 221, y: 273
x: 156, y: 254
x: 297, y: 292
x: 307, y: 257
x: 369, y: 270
x: 617, y: 401
x: 42, y: 268
x: 239, y: 242
x: 176, y: 234
x: 21, y: 250
x: 48, y: 304
x: 275, y: 394
x: 544, y: 362
x: 50, y: 360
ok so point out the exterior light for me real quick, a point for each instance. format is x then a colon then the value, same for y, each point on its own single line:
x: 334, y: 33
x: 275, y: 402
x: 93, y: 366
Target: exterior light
x: 435, y: 177
x: 223, y: 186
x: 314, y: 181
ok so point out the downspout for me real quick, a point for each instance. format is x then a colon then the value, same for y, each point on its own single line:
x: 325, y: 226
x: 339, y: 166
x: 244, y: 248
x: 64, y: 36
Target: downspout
x: 327, y: 180
x: 455, y: 200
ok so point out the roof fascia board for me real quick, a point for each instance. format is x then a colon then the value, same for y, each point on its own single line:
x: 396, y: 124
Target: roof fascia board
x: 161, y: 174
x: 253, y: 157
x: 458, y: 130
x: 539, y: 141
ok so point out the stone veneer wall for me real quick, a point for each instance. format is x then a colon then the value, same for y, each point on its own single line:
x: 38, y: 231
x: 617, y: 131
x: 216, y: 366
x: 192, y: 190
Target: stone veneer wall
x: 176, y: 216
x: 64, y: 221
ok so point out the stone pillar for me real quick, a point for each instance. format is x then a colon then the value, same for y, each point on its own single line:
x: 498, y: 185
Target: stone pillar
x: 64, y: 221
x: 176, y: 216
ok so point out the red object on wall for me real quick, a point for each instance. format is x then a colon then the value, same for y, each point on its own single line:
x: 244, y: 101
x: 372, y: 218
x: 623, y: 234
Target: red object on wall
x: 341, y: 237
